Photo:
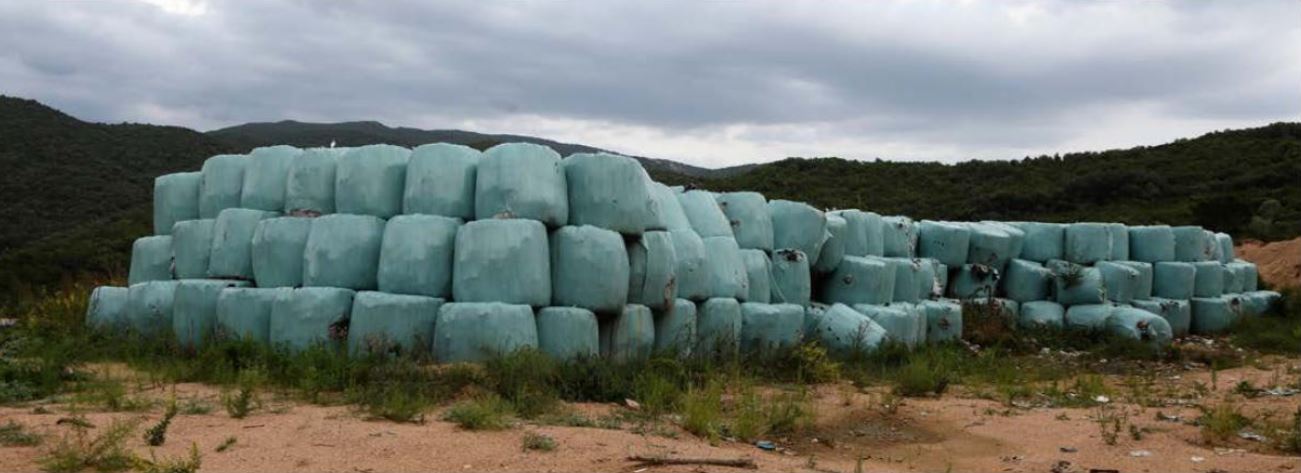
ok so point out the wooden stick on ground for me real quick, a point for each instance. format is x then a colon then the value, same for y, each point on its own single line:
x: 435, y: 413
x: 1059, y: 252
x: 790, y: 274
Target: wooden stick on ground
x: 656, y: 461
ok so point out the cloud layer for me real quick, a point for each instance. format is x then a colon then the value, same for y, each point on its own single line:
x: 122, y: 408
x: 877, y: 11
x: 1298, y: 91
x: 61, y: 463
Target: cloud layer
x: 710, y: 83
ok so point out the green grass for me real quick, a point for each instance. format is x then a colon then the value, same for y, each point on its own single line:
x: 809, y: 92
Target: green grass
x: 702, y: 411
x: 488, y: 412
x: 79, y: 450
x: 537, y: 442
x: 13, y: 434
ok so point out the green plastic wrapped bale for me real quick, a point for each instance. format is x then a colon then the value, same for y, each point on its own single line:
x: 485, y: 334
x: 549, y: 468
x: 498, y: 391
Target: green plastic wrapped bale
x: 898, y: 236
x: 440, y: 181
x: 907, y: 272
x: 1026, y: 281
x: 1225, y: 244
x: 472, y: 332
x: 767, y: 327
x: 860, y: 280
x: 1152, y: 244
x: 904, y: 323
x: 1016, y: 244
x: 502, y: 260
x: 149, y: 307
x: 277, y: 251
x: 991, y: 244
x: 1231, y: 284
x: 1088, y: 317
x: 692, y: 270
x: 266, y: 171
x: 1191, y: 244
x: 1078, y: 285
x: 1119, y: 280
x: 191, y: 247
x: 1119, y: 234
x: 1248, y: 275
x: 656, y: 220
x: 1043, y: 241
x: 833, y: 250
x: 245, y: 312
x: 860, y: 228
x: 791, y: 282
x: 941, y: 279
x: 875, y: 234
x: 307, y: 316
x: 704, y: 214
x: 589, y: 269
x: 1041, y: 314
x: 1007, y: 308
x: 309, y: 186
x: 608, y: 191
x: 370, y: 180
x: 1208, y: 279
x: 107, y: 308
x: 843, y: 331
x: 1087, y: 243
x: 798, y: 226
x: 943, y: 320
x: 757, y: 271
x: 675, y: 329
x: 652, y: 264
x: 1178, y: 314
x: 568, y: 333
x: 1142, y: 288
x: 718, y: 328
x: 726, y: 269
x: 670, y: 210
x: 176, y: 199
x: 1258, y: 303
x: 343, y: 251
x: 415, y: 255
x: 1138, y: 324
x: 1213, y: 315
x: 194, y: 310
x: 232, y: 243
x: 223, y: 180
x: 1213, y: 253
x: 747, y: 212
x: 151, y: 259
x: 1173, y: 280
x: 927, y: 284
x: 946, y: 242
x: 973, y: 281
x: 628, y: 336
x: 392, y: 323
x: 522, y: 180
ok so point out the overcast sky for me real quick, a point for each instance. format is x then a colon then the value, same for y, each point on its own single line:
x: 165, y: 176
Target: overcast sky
x: 708, y: 83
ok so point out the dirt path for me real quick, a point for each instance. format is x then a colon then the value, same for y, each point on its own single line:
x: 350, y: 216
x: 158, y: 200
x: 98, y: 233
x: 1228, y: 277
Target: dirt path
x: 1279, y: 262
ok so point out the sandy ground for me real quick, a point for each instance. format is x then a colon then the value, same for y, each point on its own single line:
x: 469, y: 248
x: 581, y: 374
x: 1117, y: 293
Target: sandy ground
x: 1279, y: 262
x: 958, y: 432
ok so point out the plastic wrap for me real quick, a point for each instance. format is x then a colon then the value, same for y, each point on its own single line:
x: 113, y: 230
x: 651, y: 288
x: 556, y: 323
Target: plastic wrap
x: 1140, y: 324
x: 1089, y: 317
x: 718, y: 327
x: 692, y: 270
x: 1119, y: 280
x: 194, y: 310
x: 609, y: 191
x: 1142, y: 288
x: 899, y: 236
x: 704, y: 214
x: 223, y: 179
x: 440, y: 180
x: 833, y: 250
x: 303, y: 317
x: 791, y: 282
x: 277, y: 251
x: 858, y: 225
x: 1258, y: 303
x: 589, y: 269
x: 1041, y: 314
x: 1087, y: 243
x: 343, y: 251
x: 1213, y: 315
x: 107, y: 308
x: 1248, y: 275
x: 151, y: 259
x: 502, y: 260
x: 973, y: 281
x: 1177, y: 313
x: 567, y: 333
x: 477, y: 331
x: 266, y: 171
x: 652, y: 263
x: 370, y: 180
x: 309, y: 186
x: 943, y: 320
x: 927, y: 283
x: 245, y: 312
x: 725, y: 268
x: 415, y: 255
x: 191, y: 247
x: 766, y: 327
x: 392, y: 323
x: 1225, y: 244
x: 991, y: 244
x: 232, y: 243
x: 628, y: 336
x: 843, y: 331
x: 1026, y: 281
x: 946, y: 242
x: 747, y: 212
x: 1119, y: 234
x: 798, y: 226
x: 1173, y: 280
x: 675, y: 329
x: 1208, y: 279
x: 1191, y: 244
x: 757, y: 271
x: 860, y: 280
x: 1078, y: 285
x: 907, y: 273
x: 903, y: 322
x: 670, y: 210
x: 1043, y: 241
x: 149, y: 307
x: 176, y: 199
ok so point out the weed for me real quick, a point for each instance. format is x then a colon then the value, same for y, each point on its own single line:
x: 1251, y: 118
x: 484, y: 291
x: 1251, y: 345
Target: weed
x: 702, y: 411
x: 1290, y: 441
x: 525, y: 379
x: 789, y: 412
x: 1136, y: 433
x: 1221, y: 422
x: 1111, y: 422
x: 657, y: 394
x: 13, y: 434
x: 567, y: 419
x: 487, y: 412
x: 226, y: 444
x: 922, y: 378
x: 243, y: 401
x: 195, y: 407
x: 189, y: 464
x: 748, y: 421
x: 79, y: 451
x: 157, y: 434
x: 539, y: 442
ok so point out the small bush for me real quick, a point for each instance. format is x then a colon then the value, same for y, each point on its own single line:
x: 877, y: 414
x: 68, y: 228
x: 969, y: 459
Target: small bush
x: 189, y: 464
x: 79, y: 451
x: 157, y: 434
x: 539, y: 442
x: 702, y: 411
x: 488, y: 412
x: 13, y: 434
x: 243, y: 401
x: 921, y: 378
x: 1221, y: 422
x: 525, y: 378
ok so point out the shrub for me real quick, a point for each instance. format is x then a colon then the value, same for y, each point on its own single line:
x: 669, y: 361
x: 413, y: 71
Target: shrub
x: 79, y: 451
x: 13, y: 434
x: 539, y: 442
x: 487, y: 412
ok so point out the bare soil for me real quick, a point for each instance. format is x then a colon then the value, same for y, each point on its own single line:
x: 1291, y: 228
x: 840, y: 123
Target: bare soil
x: 1279, y: 262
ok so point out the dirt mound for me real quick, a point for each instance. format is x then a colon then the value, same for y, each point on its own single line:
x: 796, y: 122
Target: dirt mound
x: 1279, y: 262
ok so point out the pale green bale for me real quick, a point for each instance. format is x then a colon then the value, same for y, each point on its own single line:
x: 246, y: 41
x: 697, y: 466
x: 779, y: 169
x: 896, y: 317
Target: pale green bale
x: 568, y: 333
x: 1258, y: 303
x: 898, y: 236
x: 1177, y: 313
x: 1213, y: 253
x: 990, y: 245
x: 833, y: 250
x: 726, y: 269
x: 608, y: 191
x: 875, y: 226
x: 1016, y: 239
x: 1044, y: 314
x: 943, y: 320
x: 628, y: 336
x: 191, y: 247
x: 1119, y: 235
x: 692, y: 269
x: 232, y: 243
x: 656, y: 221
x: 307, y: 316
x: 904, y: 323
x: 1191, y: 244
x: 1142, y: 288
x: 266, y: 171
x: 1078, y: 285
x: 151, y: 259
x: 1213, y: 315
x: 1008, y: 309
x: 1248, y: 274
x: 1208, y: 279
x: 973, y: 281
x: 907, y: 272
x: 309, y: 186
x: 1152, y: 244
x: 1138, y: 324
x: 858, y: 225
x: 440, y: 180
x: 1088, y: 317
x: 941, y: 279
x: 194, y: 311
x: 590, y: 269
x: 382, y: 323
x: 277, y: 251
x: 766, y: 327
x: 747, y: 213
x: 946, y: 242
x: 798, y: 226
x: 415, y: 255
x: 1026, y: 281
x: 149, y: 307
x: 670, y: 210
x: 927, y: 283
x: 522, y: 180
x: 370, y: 180
x: 1119, y: 280
x: 502, y: 260
x: 1173, y: 280
x: 791, y: 282
x: 718, y: 328
x: 1231, y: 284
x: 652, y: 264
x: 472, y: 332
x: 704, y: 214
x: 860, y: 280
x: 1043, y: 241
x: 1087, y: 243
x: 675, y: 328
x: 176, y: 199
x: 245, y: 312
x: 343, y: 251
x: 757, y: 271
x: 1225, y: 244
x: 107, y: 308
x: 843, y: 331
x: 223, y: 180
